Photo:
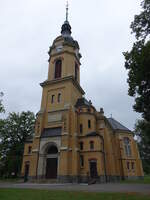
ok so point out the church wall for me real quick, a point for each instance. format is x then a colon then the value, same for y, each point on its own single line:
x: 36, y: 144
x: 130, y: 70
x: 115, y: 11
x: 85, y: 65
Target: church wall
x: 109, y: 152
x: 117, y: 155
x: 75, y: 153
x: 83, y: 119
x: 134, y: 158
x: 95, y: 154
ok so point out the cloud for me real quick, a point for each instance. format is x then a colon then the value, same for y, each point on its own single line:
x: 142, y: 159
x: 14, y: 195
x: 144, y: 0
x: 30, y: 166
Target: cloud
x: 29, y: 27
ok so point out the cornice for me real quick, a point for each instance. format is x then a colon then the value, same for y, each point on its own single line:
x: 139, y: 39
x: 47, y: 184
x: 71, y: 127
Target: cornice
x: 68, y: 78
x: 63, y: 52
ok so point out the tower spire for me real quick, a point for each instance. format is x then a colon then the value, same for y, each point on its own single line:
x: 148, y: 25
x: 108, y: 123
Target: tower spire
x: 66, y: 28
x: 67, y: 8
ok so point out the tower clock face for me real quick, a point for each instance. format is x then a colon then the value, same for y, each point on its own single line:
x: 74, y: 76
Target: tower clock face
x: 59, y: 48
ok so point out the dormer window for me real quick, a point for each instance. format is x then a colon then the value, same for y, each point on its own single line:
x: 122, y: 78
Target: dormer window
x: 58, y: 66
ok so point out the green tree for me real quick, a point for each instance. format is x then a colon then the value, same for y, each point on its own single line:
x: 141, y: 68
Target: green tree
x: 142, y: 131
x: 14, y: 131
x: 1, y: 105
x: 141, y: 24
x: 137, y: 62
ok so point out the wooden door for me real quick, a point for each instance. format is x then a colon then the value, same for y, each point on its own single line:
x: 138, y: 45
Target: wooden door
x: 51, y: 168
x: 93, y: 169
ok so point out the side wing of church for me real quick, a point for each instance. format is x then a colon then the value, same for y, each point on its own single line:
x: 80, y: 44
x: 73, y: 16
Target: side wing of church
x: 73, y: 142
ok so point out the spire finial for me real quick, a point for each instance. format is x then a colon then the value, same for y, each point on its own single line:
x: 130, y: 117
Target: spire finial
x: 66, y: 28
x: 67, y: 8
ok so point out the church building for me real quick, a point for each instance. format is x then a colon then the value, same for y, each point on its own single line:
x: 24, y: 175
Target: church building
x: 74, y: 142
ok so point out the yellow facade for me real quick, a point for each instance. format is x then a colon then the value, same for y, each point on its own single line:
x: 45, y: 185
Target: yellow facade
x: 73, y: 142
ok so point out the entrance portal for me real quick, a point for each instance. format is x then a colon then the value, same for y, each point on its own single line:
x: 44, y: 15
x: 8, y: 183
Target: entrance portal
x: 93, y: 169
x: 51, y: 162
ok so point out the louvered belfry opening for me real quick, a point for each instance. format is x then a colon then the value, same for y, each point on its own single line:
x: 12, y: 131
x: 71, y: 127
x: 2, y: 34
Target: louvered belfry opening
x: 58, y: 66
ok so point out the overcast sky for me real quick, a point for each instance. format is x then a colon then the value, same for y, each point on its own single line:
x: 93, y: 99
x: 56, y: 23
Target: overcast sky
x: 28, y: 28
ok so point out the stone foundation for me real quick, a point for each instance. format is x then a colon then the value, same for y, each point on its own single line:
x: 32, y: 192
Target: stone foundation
x: 134, y: 178
x: 83, y: 179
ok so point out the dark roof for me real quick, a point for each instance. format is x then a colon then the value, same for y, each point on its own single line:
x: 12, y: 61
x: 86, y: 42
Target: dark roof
x: 92, y: 134
x: 116, y: 125
x: 83, y: 102
x: 51, y: 132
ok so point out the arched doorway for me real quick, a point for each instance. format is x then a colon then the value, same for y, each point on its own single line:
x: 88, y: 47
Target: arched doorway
x: 51, y: 162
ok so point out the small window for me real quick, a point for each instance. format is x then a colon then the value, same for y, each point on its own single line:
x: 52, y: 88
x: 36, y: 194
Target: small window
x: 59, y: 98
x: 91, y: 145
x: 128, y: 165
x: 81, y: 145
x: 52, y: 99
x: 81, y: 161
x: 29, y: 149
x: 81, y: 128
x: 89, y: 123
x: 132, y: 166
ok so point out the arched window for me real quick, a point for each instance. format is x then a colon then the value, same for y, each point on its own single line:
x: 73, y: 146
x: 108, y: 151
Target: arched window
x: 81, y: 145
x: 81, y: 161
x: 29, y: 149
x: 128, y: 165
x: 58, y: 66
x: 52, y: 150
x: 59, y: 98
x: 127, y: 146
x: 132, y: 165
x: 81, y: 128
x: 89, y: 123
x: 91, y: 145
x: 52, y: 99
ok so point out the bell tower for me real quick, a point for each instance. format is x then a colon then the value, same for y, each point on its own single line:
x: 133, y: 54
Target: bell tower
x: 64, y: 56
x: 62, y: 86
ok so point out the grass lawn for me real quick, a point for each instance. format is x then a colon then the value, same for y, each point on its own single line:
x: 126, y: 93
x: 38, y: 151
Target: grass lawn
x: 27, y: 194
x: 146, y: 180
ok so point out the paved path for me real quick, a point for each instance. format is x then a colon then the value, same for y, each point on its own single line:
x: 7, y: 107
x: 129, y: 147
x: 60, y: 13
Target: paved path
x: 110, y: 187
